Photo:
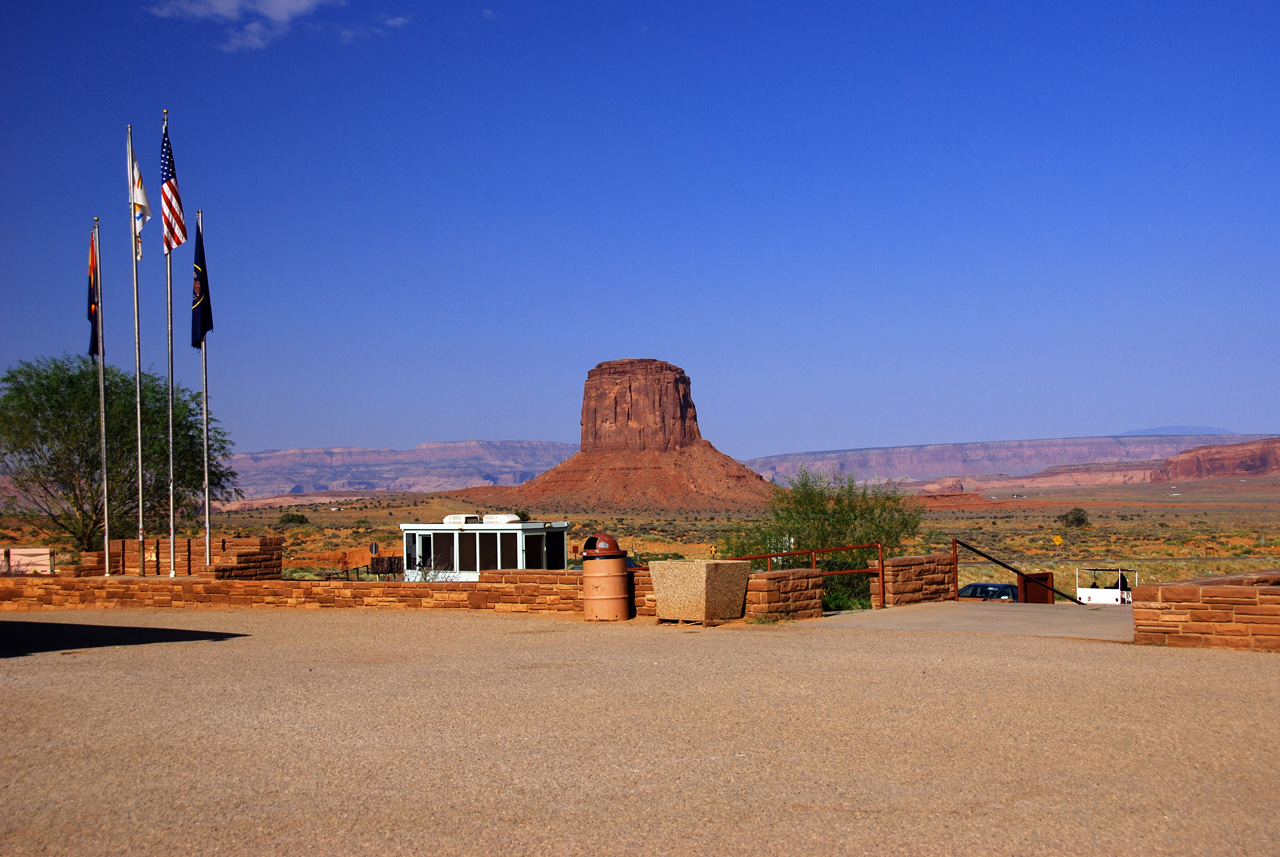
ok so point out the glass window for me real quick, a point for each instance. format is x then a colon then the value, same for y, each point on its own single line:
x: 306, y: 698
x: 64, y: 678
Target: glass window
x: 411, y: 551
x: 442, y: 552
x: 467, y: 554
x: 555, y: 549
x: 510, y: 557
x: 488, y: 551
x: 533, y: 551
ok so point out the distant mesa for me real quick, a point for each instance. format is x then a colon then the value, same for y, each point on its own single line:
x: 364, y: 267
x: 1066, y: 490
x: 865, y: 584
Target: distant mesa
x: 641, y: 451
x: 994, y: 461
x: 1255, y: 458
x: 425, y: 468
x: 643, y: 411
x: 1176, y: 430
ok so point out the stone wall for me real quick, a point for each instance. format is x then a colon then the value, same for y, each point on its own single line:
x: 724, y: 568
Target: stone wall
x: 1239, y: 611
x: 784, y: 594
x: 501, y: 592
x: 642, y: 589
x: 916, y: 579
x: 258, y: 558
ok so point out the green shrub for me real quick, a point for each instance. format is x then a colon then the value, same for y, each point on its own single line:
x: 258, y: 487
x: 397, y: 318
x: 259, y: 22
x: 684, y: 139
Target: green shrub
x: 827, y: 510
x: 1076, y: 517
x: 293, y: 518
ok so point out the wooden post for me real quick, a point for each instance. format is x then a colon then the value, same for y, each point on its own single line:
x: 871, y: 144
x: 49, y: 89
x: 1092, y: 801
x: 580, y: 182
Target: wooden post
x: 955, y: 570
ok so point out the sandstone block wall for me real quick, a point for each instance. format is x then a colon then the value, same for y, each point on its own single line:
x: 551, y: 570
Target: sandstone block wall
x: 501, y: 592
x: 1239, y: 611
x: 784, y: 594
x: 915, y: 579
x: 646, y: 603
x: 258, y: 558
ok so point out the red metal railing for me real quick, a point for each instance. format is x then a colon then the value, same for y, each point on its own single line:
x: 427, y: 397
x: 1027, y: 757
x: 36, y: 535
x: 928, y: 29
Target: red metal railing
x: 813, y: 561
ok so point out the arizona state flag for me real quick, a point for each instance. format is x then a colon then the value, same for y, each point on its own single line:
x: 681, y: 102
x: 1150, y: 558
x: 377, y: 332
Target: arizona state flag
x: 201, y: 311
x: 95, y: 293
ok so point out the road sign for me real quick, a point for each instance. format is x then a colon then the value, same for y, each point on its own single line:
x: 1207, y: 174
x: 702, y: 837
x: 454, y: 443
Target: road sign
x: 373, y: 549
x: 1057, y: 540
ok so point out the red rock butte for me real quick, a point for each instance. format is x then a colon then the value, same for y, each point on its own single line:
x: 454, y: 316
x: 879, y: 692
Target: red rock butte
x: 641, y: 452
x: 638, y: 404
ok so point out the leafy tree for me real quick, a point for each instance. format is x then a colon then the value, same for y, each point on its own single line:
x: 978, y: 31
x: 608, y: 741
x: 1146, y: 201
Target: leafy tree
x: 1076, y: 517
x: 51, y: 449
x: 826, y: 510
x: 293, y: 518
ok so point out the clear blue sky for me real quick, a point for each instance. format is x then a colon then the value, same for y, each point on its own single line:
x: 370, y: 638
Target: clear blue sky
x: 859, y: 224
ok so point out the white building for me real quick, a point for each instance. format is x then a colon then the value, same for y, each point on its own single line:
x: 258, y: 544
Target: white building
x: 464, y: 545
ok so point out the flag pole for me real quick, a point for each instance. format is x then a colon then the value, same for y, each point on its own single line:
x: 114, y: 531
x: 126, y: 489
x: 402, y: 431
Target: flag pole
x: 204, y: 389
x: 102, y: 399
x: 168, y: 276
x: 137, y: 331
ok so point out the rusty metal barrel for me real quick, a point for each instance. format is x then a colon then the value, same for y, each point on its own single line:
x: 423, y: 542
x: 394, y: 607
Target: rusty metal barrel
x: 606, y: 584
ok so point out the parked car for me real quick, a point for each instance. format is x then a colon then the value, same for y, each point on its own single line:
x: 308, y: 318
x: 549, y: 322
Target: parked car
x: 989, y: 592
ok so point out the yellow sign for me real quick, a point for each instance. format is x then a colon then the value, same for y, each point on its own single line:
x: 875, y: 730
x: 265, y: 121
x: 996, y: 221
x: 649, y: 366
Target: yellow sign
x: 1057, y: 540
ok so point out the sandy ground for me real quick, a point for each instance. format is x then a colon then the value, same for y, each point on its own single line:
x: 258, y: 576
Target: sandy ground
x: 350, y: 732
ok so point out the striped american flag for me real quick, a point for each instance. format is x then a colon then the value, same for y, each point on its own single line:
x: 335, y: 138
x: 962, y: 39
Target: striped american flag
x: 175, y: 229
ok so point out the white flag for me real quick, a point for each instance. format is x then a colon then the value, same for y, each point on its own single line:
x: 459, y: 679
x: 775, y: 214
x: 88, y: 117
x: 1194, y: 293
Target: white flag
x: 138, y: 201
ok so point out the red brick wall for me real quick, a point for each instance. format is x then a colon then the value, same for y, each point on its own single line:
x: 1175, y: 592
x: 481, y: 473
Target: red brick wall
x: 1239, y: 611
x: 502, y: 592
x: 786, y: 594
x: 915, y: 579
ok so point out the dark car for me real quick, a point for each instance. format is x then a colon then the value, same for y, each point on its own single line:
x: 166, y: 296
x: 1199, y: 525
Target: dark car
x: 990, y: 591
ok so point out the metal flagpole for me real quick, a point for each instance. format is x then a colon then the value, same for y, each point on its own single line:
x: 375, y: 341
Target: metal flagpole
x: 204, y: 389
x: 168, y: 276
x: 102, y: 397
x: 137, y: 333
x: 168, y: 266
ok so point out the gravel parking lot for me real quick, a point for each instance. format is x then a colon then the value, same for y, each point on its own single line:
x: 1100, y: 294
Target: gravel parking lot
x: 383, y: 732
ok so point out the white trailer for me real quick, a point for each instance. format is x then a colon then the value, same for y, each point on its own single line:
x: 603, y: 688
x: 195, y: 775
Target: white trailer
x: 1108, y: 593
x: 462, y: 546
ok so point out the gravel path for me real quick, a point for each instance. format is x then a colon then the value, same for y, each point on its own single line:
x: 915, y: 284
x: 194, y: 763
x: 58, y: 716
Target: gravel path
x: 351, y: 732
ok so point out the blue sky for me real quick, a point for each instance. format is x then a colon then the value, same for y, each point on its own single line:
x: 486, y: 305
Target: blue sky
x: 861, y: 224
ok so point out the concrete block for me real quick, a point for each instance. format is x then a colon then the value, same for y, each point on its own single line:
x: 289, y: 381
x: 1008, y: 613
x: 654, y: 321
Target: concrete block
x: 700, y: 590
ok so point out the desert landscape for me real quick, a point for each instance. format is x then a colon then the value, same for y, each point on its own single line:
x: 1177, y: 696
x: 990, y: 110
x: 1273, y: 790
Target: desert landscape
x: 418, y: 544
x: 645, y: 474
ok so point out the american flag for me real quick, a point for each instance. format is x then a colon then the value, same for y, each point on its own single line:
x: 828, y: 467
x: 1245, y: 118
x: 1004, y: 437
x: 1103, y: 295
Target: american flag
x: 175, y: 229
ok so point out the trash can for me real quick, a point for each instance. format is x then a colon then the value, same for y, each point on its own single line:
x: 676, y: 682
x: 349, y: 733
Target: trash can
x: 606, y: 584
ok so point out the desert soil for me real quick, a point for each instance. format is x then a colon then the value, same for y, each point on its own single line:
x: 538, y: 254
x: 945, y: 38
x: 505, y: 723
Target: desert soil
x: 349, y: 732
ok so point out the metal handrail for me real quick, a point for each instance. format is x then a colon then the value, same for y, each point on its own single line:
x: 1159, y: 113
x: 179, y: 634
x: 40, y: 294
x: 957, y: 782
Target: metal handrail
x: 1022, y: 576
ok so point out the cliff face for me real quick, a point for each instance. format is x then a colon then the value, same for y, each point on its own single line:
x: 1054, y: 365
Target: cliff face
x: 641, y: 452
x: 1008, y: 457
x: 1256, y: 458
x: 636, y: 405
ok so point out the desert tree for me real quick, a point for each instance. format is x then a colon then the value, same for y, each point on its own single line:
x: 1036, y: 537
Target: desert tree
x: 50, y: 449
